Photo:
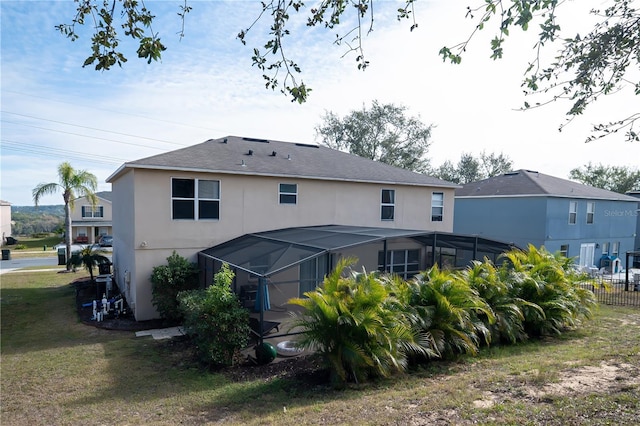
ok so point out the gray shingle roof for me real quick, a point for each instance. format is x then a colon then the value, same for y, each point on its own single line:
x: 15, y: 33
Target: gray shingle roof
x: 248, y: 156
x: 530, y: 183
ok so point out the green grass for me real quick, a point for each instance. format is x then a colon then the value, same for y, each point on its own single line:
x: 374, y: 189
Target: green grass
x: 56, y: 370
x: 35, y: 247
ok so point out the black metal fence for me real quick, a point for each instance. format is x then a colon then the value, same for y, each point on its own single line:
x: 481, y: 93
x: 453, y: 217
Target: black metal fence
x: 618, y: 292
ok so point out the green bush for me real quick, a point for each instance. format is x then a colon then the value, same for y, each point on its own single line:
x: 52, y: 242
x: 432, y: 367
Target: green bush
x: 167, y: 281
x: 548, y: 282
x: 20, y: 247
x: 215, y: 320
x: 357, y: 325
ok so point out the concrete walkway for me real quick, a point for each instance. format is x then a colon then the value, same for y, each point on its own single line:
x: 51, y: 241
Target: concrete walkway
x: 161, y: 333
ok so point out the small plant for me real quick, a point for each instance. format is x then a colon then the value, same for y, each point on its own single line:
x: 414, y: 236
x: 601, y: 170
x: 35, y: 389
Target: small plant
x: 20, y: 247
x: 215, y: 320
x: 167, y: 281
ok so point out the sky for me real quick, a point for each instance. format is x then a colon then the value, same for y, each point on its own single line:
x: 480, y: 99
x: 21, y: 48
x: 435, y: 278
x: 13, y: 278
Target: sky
x: 205, y: 87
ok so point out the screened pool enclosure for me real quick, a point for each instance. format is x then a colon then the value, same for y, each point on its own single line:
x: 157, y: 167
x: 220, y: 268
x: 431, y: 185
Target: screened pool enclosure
x: 272, y: 267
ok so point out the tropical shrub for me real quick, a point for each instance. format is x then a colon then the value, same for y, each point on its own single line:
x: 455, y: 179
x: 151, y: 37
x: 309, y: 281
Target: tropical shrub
x: 449, y: 311
x: 549, y: 283
x: 89, y: 258
x: 215, y: 320
x: 500, y: 295
x: 167, y: 281
x: 357, y: 325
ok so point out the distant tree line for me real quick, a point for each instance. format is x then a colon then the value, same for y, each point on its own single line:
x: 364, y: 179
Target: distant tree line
x: 27, y: 220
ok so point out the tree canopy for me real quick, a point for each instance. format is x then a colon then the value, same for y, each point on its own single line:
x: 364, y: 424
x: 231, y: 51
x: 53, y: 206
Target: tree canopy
x: 472, y: 169
x: 383, y: 133
x: 611, y: 178
x: 73, y: 184
x: 601, y: 61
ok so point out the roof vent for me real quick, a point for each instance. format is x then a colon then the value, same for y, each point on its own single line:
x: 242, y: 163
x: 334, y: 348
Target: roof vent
x: 307, y: 145
x: 273, y: 153
x: 288, y: 156
x: 250, y: 152
x: 242, y: 164
x: 255, y: 140
x: 224, y: 140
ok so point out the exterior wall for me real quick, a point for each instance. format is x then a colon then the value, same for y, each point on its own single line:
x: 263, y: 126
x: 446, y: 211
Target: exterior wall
x: 247, y: 204
x: 545, y: 221
x: 90, y: 226
x: 521, y: 220
x: 124, y: 253
x: 5, y: 220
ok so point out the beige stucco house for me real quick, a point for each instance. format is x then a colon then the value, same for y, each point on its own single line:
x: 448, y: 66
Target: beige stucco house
x: 90, y: 222
x: 198, y: 197
x: 5, y: 220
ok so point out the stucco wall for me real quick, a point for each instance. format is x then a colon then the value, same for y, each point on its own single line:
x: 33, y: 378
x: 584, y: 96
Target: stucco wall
x: 247, y: 204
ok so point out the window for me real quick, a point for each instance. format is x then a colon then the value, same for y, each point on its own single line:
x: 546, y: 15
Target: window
x: 195, y: 199
x: 437, y: 206
x: 405, y: 263
x: 288, y: 193
x: 92, y: 211
x: 615, y: 249
x: 591, y: 209
x: 573, y: 212
x: 564, y: 250
x: 387, y: 204
x: 605, y: 248
x: 312, y: 273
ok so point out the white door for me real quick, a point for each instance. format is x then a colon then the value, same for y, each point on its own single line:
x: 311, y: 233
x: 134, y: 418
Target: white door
x: 587, y: 253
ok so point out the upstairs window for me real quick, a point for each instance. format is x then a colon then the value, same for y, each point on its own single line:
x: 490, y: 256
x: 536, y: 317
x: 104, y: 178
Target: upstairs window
x: 591, y: 209
x: 288, y: 193
x: 388, y: 204
x: 437, y: 206
x: 92, y: 211
x: 573, y: 212
x: 195, y: 199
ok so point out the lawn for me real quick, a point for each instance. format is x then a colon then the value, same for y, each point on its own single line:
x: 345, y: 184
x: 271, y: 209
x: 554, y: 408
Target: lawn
x: 57, y: 370
x: 34, y: 247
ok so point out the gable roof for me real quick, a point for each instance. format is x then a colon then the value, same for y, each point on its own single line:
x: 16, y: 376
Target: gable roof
x: 261, y: 157
x: 105, y: 195
x: 529, y: 183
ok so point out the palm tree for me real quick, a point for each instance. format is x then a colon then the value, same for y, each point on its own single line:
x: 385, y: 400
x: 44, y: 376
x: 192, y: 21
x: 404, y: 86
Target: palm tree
x: 89, y: 258
x: 73, y: 184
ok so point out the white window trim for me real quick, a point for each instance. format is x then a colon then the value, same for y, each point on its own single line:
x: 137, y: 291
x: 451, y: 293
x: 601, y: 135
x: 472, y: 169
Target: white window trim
x: 392, y: 204
x: 281, y: 193
x: 591, y: 212
x: 441, y: 206
x: 573, y: 212
x: 92, y: 209
x: 196, y: 206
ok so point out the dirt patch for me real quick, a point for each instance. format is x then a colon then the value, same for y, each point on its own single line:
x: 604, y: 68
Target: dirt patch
x: 603, y: 378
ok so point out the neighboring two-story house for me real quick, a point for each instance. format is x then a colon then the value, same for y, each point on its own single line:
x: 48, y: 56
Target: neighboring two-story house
x: 5, y: 220
x: 90, y: 222
x: 526, y: 207
x: 192, y: 200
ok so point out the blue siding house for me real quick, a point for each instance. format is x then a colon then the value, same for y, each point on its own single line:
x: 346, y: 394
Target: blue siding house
x: 525, y: 207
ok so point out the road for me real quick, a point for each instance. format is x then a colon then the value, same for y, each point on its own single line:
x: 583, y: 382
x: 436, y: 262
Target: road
x: 13, y: 264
